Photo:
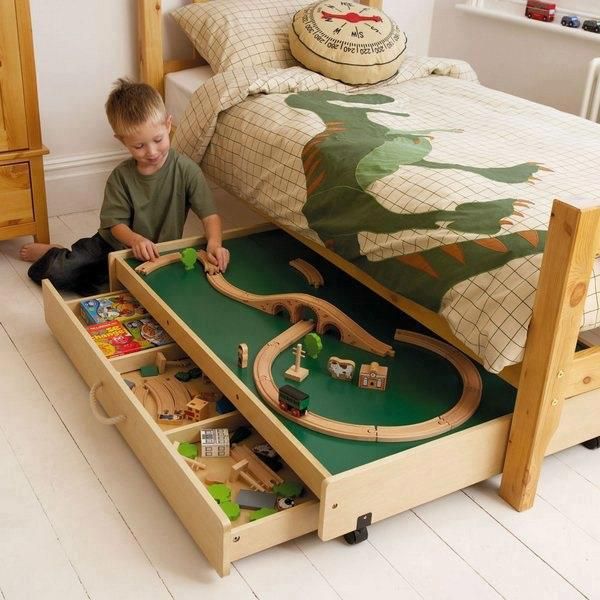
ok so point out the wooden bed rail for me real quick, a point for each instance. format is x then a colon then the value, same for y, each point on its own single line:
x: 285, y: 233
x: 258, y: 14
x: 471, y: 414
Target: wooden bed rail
x: 550, y: 363
x: 150, y: 44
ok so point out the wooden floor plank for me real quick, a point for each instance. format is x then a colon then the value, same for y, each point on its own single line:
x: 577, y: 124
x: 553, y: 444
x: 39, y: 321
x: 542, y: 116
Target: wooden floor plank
x: 574, y: 496
x: 28, y: 541
x: 426, y: 561
x: 504, y: 560
x: 344, y: 567
x: 285, y: 572
x: 548, y: 534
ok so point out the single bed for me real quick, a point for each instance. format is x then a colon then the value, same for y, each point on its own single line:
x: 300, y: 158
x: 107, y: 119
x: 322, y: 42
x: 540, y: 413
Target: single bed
x: 468, y: 146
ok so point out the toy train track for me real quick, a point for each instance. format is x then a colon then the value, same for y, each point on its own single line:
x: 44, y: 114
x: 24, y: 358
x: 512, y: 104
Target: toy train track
x: 351, y: 333
x: 456, y: 416
x: 328, y: 315
x: 310, y: 272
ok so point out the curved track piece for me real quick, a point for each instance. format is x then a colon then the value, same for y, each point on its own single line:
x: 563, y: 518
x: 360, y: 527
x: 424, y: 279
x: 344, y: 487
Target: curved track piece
x: 457, y: 415
x: 151, y: 265
x: 310, y: 272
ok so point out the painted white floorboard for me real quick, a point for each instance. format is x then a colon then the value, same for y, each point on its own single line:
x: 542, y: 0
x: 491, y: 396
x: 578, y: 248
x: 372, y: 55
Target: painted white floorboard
x: 33, y: 562
x: 426, y: 561
x: 549, y: 534
x: 356, y: 572
x: 583, y: 461
x: 21, y: 312
x: 572, y: 495
x: 82, y: 224
x: 504, y: 560
x: 285, y: 572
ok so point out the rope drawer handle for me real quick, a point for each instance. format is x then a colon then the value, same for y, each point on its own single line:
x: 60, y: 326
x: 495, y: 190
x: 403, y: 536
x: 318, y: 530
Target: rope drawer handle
x: 96, y: 411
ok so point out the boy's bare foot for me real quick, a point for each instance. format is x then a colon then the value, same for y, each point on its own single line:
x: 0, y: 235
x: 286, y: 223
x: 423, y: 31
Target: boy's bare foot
x: 31, y: 252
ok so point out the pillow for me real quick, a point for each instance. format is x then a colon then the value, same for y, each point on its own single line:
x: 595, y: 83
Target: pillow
x: 240, y: 33
x: 347, y: 41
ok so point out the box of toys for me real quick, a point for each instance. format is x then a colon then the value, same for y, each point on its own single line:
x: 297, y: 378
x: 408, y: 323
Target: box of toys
x: 147, y: 332
x: 113, y: 338
x: 108, y: 308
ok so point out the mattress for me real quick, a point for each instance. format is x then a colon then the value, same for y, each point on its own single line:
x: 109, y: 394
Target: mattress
x: 179, y: 87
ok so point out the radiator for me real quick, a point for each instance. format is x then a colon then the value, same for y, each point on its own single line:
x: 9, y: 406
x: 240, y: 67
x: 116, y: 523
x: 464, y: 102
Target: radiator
x: 590, y: 105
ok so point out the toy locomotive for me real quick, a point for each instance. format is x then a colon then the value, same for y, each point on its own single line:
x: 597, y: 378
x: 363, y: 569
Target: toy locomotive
x: 293, y: 400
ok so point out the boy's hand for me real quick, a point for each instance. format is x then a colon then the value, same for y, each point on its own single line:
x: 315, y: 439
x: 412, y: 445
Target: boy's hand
x: 218, y: 255
x: 144, y: 249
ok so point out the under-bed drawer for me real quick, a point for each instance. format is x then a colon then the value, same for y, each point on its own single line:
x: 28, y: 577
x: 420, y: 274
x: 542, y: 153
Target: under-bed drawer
x: 381, y: 479
x: 220, y: 539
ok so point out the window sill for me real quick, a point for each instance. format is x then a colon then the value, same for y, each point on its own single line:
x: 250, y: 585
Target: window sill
x: 521, y: 19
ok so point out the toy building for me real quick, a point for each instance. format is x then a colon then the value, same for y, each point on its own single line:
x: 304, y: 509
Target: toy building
x: 373, y: 376
x: 214, y: 442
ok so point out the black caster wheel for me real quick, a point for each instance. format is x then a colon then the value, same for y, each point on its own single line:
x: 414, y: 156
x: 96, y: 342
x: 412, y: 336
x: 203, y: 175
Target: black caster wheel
x: 592, y: 444
x: 357, y: 536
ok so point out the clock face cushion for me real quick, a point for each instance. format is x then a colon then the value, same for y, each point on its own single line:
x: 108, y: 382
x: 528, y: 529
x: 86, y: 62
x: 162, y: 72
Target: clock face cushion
x: 347, y: 41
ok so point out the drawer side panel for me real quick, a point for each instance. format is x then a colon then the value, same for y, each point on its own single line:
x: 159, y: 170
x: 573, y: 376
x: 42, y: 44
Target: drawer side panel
x: 201, y: 516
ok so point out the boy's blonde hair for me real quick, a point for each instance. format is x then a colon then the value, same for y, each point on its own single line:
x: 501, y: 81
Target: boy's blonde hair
x: 131, y: 104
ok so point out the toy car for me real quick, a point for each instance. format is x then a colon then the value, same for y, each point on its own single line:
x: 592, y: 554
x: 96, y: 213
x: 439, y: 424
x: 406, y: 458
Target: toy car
x: 592, y: 25
x: 540, y: 11
x: 570, y: 21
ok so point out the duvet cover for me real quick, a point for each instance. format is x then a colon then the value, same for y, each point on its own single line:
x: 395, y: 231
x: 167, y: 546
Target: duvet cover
x: 434, y: 185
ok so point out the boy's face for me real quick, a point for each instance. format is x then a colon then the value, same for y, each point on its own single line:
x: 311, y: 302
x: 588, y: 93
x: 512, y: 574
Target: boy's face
x: 149, y: 145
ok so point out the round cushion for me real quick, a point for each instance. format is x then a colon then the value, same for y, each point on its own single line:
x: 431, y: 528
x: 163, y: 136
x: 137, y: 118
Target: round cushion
x: 347, y: 41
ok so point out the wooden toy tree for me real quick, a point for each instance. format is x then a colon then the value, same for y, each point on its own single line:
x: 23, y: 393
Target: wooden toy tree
x: 313, y: 344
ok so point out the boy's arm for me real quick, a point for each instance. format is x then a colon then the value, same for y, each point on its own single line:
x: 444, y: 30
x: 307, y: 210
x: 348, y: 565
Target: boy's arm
x: 143, y: 248
x: 217, y: 255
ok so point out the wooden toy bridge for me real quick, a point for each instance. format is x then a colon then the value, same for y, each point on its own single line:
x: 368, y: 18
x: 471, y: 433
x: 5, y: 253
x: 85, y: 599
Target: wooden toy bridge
x: 327, y: 315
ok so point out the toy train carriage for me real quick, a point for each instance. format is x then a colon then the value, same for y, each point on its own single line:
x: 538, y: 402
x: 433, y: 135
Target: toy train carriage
x: 293, y: 400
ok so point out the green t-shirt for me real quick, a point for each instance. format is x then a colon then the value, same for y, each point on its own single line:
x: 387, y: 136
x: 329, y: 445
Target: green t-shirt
x: 156, y: 205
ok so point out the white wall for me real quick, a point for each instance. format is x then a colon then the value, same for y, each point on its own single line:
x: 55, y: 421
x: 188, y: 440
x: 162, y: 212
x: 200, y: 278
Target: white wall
x: 527, y: 62
x: 81, y: 48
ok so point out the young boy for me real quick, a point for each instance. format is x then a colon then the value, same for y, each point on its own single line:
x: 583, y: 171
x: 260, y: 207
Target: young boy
x: 146, y: 199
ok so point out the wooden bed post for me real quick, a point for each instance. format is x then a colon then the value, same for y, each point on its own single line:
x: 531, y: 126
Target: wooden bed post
x: 150, y: 43
x: 566, y: 267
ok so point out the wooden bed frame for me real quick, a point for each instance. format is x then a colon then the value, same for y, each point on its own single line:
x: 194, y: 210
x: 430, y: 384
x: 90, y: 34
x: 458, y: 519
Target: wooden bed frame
x: 554, y: 380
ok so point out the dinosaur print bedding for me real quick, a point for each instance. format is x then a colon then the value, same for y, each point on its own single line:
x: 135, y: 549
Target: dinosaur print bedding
x: 436, y: 186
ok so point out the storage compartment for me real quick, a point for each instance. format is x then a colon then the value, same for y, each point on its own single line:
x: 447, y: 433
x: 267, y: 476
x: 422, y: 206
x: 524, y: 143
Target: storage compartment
x: 16, y: 205
x: 358, y: 482
x: 249, y: 536
x: 220, y: 539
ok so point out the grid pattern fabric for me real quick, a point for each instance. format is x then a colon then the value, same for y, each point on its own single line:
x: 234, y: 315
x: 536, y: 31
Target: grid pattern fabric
x: 239, y: 33
x: 249, y: 141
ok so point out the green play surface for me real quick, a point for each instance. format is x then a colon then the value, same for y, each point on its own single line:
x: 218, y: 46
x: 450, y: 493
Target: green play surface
x: 421, y: 385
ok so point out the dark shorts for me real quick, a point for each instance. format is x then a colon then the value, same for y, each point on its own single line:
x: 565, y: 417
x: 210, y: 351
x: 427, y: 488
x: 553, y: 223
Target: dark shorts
x: 83, y: 269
